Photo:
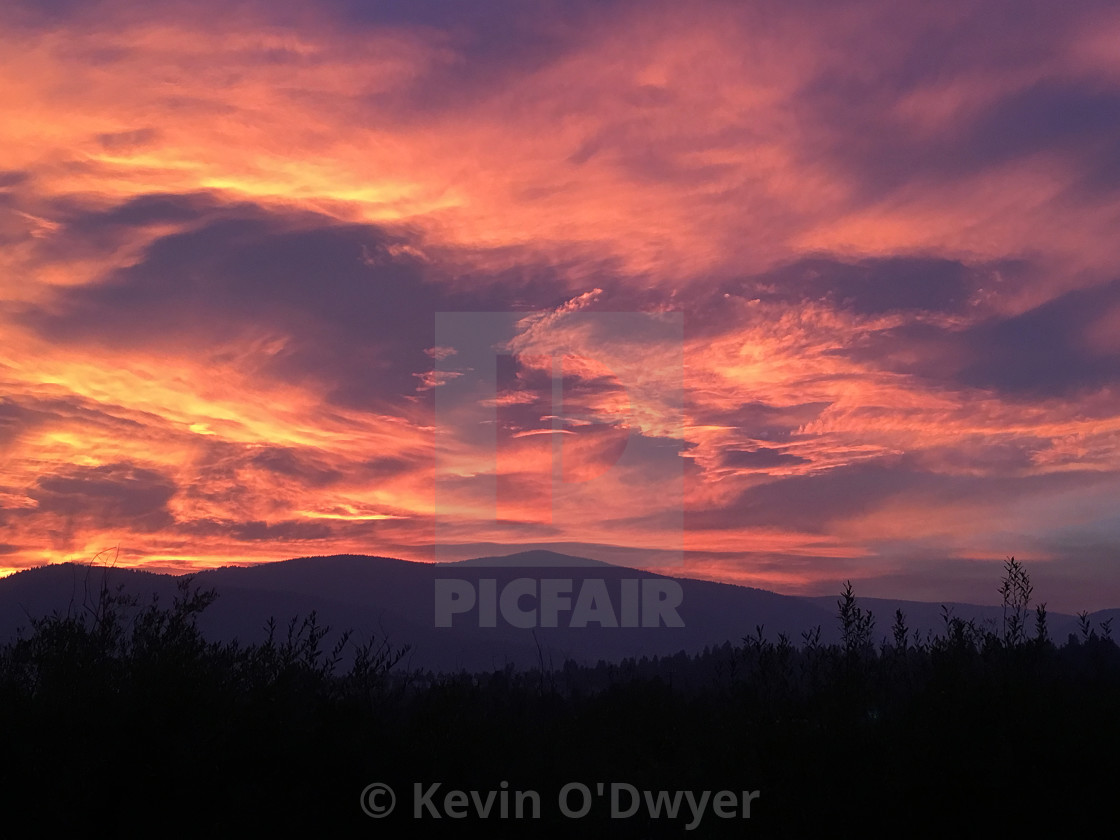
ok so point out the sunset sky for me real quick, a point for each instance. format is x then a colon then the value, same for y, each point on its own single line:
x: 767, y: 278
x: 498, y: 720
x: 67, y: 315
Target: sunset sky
x: 889, y: 233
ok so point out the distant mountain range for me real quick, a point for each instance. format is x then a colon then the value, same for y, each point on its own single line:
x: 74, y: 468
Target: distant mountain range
x: 383, y: 597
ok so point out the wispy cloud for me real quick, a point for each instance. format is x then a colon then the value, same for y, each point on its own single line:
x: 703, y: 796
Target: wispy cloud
x: 889, y: 230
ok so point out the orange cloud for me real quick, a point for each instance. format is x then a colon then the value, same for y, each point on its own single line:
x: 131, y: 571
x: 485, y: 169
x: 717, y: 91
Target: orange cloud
x: 225, y: 236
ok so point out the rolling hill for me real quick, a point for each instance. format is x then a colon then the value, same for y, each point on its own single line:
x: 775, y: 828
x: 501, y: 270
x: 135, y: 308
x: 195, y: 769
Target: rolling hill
x: 393, y: 600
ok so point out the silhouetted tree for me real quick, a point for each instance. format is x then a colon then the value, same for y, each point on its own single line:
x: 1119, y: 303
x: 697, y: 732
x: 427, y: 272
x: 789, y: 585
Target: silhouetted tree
x: 1016, y: 590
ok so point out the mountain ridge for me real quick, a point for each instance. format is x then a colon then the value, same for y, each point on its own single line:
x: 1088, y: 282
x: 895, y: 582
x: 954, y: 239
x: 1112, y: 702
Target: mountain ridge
x: 393, y: 599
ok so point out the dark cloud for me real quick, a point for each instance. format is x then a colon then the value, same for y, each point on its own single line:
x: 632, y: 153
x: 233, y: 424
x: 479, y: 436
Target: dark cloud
x: 287, y: 530
x: 758, y: 459
x: 35, y: 12
x: 88, y: 230
x: 12, y: 178
x: 1044, y: 352
x: 992, y: 456
x: 126, y: 141
x: 353, y: 309
x: 249, y: 474
x: 1050, y: 115
x: 859, y: 127
x: 1040, y: 353
x: 872, y: 287
x: 813, y: 503
x: 917, y: 286
x: 13, y: 419
x: 20, y: 415
x: 387, y: 467
x: 810, y: 503
x: 304, y: 466
x: 343, y: 307
x: 142, y: 211
x: 257, y: 530
x: 115, y: 495
x: 641, y: 162
x: 491, y: 42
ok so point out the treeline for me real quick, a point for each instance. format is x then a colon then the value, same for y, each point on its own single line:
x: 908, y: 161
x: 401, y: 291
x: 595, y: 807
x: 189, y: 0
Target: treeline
x: 123, y: 716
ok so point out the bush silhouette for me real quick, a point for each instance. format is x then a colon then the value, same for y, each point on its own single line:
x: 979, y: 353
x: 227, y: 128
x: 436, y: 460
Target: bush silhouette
x: 132, y: 713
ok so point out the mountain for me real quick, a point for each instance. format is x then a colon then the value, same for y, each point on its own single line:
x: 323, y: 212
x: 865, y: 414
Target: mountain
x: 396, y: 600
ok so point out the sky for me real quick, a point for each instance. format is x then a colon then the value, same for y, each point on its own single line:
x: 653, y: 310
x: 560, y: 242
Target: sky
x: 872, y: 244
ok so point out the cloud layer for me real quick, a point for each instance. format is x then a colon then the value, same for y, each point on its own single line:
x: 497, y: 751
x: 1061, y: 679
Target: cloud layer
x: 888, y: 229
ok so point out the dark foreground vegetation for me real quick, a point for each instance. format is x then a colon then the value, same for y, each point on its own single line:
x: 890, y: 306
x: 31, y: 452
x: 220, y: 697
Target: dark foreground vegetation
x: 122, y: 717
